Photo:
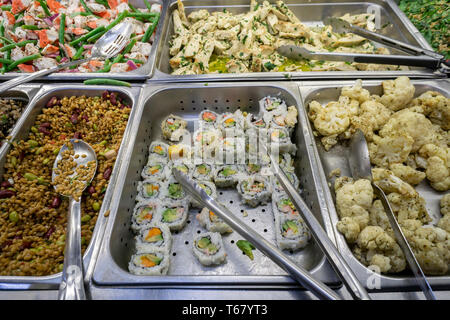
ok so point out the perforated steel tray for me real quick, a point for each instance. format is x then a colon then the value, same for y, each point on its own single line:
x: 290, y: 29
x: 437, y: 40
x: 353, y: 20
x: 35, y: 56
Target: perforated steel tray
x: 188, y: 101
x: 336, y: 157
x: 312, y: 12
x: 21, y: 131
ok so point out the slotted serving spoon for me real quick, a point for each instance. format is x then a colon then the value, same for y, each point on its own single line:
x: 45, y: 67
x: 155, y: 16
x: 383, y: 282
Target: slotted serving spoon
x: 360, y: 167
x: 72, y: 283
x: 109, y: 45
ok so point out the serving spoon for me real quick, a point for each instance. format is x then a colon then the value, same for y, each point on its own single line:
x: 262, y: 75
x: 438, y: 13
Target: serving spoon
x: 360, y: 167
x: 72, y: 283
x: 109, y: 45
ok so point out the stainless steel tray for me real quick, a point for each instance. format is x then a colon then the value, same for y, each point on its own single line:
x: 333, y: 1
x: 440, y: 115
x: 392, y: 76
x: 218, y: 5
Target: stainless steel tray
x: 324, y: 92
x: 26, y: 121
x: 158, y: 101
x: 311, y: 13
x: 142, y: 73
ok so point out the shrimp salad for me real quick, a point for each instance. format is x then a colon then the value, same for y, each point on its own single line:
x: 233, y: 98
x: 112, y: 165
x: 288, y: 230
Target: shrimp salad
x: 36, y: 35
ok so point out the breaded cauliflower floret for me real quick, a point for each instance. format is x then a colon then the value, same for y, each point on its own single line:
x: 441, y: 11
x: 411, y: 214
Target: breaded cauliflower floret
x: 406, y: 208
x: 445, y: 204
x: 356, y: 92
x: 435, y: 106
x: 390, y: 149
x: 349, y: 227
x: 389, y: 182
x: 375, y: 247
x: 407, y: 174
x: 397, y: 93
x: 378, y: 217
x: 416, y: 125
x: 437, y: 166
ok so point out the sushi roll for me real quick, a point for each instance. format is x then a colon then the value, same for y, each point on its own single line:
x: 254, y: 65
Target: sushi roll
x: 280, y: 141
x: 231, y: 150
x: 173, y: 127
x: 206, y: 142
x: 203, y: 171
x: 291, y: 232
x: 184, y: 166
x: 143, y: 214
x: 211, y: 222
x: 272, y: 105
x: 256, y: 168
x: 173, y: 214
x: 286, y: 162
x: 155, y: 170
x: 209, y: 188
x: 158, y: 150
x: 208, y: 118
x: 232, y: 124
x: 150, y: 263
x: 180, y: 152
x: 277, y: 187
x: 149, y: 190
x: 254, y: 122
x: 254, y: 190
x: 172, y: 190
x: 286, y: 120
x: 282, y: 205
x: 155, y: 237
x: 227, y: 175
x: 208, y: 248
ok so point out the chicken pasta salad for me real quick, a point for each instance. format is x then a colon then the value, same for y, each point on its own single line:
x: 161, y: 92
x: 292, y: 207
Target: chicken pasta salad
x: 222, y: 42
x: 36, y: 35
x: 408, y: 142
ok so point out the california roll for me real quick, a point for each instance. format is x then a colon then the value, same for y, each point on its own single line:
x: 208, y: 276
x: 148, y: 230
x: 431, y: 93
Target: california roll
x: 208, y: 248
x: 173, y: 128
x: 254, y: 190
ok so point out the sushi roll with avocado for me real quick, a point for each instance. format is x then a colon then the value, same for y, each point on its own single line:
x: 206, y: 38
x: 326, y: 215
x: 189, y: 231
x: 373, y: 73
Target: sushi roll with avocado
x: 203, y: 171
x: 211, y: 222
x: 282, y: 205
x: 173, y: 128
x: 156, y: 237
x: 254, y: 190
x: 184, y: 166
x: 172, y: 190
x: 158, y: 150
x: 291, y: 232
x: 232, y: 124
x: 257, y: 168
x: 208, y: 118
x: 209, y: 188
x: 227, y: 175
x: 276, y: 185
x: 149, y: 190
x: 156, y: 170
x: 208, y: 248
x: 254, y: 122
x: 173, y: 214
x: 150, y: 263
x: 286, y: 120
x: 143, y: 214
x: 286, y: 162
x: 280, y: 141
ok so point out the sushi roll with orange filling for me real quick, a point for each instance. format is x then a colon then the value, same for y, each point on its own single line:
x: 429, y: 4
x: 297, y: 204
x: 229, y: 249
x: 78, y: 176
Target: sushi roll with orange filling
x: 155, y: 236
x: 173, y: 128
x: 149, y: 263
x: 144, y: 214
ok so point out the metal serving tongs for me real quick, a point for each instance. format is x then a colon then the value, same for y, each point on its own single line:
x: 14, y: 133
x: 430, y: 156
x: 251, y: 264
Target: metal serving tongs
x: 297, y: 273
x: 419, y: 57
x: 338, y: 262
x: 361, y: 168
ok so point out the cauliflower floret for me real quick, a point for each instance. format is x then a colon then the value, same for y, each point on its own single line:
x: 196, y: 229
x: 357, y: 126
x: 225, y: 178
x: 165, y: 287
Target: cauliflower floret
x: 435, y: 106
x: 378, y: 217
x: 372, y: 116
x: 406, y: 208
x: 357, y: 92
x: 416, y: 125
x: 397, y: 93
x: 389, y: 182
x: 445, y: 204
x: 390, y: 149
x: 375, y: 247
x: 407, y: 174
x: 437, y: 166
x: 331, y: 119
x: 444, y: 223
x: 349, y: 228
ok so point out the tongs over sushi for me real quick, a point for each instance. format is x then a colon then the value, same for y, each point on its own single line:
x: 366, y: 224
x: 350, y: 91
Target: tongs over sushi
x: 298, y: 273
x: 334, y: 257
x: 419, y: 57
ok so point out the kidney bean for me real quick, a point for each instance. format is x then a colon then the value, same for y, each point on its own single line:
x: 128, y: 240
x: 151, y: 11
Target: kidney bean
x: 107, y: 173
x: 74, y: 118
x: 43, y: 127
x: 49, y: 232
x: 112, y: 98
x: 53, y: 101
x: 56, y: 202
x: 77, y: 135
x: 85, y: 117
x: 21, y: 156
x: 91, y: 190
x: 5, y: 184
x: 6, y: 194
x: 25, y: 245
